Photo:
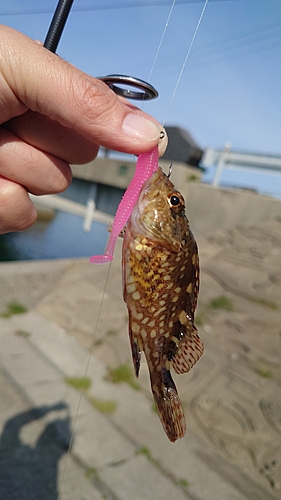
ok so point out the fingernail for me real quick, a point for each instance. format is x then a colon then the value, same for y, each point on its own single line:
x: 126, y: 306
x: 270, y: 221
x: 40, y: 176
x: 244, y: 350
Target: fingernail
x: 138, y: 127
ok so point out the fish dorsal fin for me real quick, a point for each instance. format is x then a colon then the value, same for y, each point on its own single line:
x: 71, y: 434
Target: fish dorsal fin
x: 190, y: 348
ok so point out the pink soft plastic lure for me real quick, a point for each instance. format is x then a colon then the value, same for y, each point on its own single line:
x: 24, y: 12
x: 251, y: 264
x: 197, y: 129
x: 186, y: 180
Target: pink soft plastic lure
x: 147, y: 164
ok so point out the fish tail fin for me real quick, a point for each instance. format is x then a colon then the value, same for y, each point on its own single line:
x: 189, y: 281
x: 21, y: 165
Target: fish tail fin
x: 169, y: 406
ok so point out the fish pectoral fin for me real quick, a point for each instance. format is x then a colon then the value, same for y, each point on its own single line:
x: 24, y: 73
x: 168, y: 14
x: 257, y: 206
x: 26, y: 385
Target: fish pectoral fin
x: 135, y: 348
x: 136, y: 355
x: 190, y: 348
x: 122, y: 232
x: 169, y: 406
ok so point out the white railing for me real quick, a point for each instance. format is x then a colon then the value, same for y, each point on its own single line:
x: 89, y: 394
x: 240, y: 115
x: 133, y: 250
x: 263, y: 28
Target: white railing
x: 88, y: 212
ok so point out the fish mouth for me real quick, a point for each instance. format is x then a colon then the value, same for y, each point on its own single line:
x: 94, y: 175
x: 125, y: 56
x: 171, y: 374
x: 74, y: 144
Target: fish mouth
x: 147, y: 217
x: 141, y: 223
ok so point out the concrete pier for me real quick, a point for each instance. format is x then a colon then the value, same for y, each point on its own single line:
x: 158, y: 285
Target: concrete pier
x: 106, y: 441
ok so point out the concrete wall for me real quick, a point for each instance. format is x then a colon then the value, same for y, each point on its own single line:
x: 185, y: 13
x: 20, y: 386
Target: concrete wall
x: 119, y: 173
x: 210, y: 208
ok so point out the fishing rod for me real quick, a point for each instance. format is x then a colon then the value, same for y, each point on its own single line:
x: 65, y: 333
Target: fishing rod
x: 146, y: 91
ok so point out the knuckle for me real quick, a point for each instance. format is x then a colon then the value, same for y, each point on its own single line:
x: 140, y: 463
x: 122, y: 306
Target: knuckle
x: 96, y: 98
x: 60, y: 179
x: 28, y: 220
x: 17, y: 213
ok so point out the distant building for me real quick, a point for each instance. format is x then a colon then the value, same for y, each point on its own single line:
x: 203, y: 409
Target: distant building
x: 182, y: 147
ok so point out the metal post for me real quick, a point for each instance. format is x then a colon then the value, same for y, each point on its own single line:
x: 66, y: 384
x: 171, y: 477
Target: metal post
x: 221, y: 164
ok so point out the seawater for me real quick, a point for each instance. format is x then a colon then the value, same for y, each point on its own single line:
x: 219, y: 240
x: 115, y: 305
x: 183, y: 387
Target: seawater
x: 62, y: 237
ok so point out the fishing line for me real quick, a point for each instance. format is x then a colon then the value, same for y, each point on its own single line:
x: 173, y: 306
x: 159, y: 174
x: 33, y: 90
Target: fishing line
x: 186, y: 59
x: 51, y: 42
x: 161, y: 39
x: 109, y: 267
x: 84, y: 377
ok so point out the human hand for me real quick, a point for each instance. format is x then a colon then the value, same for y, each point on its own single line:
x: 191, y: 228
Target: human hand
x: 52, y: 114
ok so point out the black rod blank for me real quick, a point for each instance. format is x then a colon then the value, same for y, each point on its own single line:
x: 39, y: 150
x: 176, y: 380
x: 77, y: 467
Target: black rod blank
x: 57, y: 24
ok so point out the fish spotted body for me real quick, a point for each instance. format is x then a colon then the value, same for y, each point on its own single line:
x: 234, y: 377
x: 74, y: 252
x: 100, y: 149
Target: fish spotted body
x: 161, y: 283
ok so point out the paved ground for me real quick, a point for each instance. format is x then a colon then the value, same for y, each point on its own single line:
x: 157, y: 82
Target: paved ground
x: 232, y: 450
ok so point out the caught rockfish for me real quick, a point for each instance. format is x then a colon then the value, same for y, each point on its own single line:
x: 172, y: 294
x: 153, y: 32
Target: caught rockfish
x: 161, y: 283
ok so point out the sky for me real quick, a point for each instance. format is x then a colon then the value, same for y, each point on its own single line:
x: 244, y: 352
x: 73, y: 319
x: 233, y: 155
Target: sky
x: 230, y: 89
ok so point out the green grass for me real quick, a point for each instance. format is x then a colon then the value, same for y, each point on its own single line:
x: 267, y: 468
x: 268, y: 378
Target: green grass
x: 80, y: 383
x: 263, y: 372
x: 265, y: 302
x: 98, y: 342
x: 123, y: 373
x: 199, y: 319
x: 84, y: 384
x: 104, y: 405
x: 144, y: 450
x: 193, y: 178
x: 22, y: 333
x: 90, y: 472
x: 13, y: 308
x: 111, y: 332
x: 184, y: 482
x: 153, y: 407
x: 221, y: 302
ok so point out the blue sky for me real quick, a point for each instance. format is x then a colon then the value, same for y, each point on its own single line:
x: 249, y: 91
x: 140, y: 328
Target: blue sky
x: 231, y: 86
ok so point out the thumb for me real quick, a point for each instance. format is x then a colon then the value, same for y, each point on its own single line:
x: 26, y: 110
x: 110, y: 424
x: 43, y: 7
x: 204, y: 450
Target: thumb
x: 38, y: 80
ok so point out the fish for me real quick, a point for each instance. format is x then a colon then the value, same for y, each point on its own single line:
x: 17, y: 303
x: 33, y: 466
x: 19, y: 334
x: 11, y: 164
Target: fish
x: 160, y: 288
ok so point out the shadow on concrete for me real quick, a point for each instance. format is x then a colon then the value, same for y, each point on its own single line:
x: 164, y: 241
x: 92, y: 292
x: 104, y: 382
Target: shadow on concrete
x: 31, y: 472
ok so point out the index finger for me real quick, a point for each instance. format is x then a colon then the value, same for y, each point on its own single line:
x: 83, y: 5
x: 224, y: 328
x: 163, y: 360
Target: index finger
x: 41, y: 81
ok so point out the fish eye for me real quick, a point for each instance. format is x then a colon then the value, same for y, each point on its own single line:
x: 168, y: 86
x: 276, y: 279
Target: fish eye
x: 175, y: 201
